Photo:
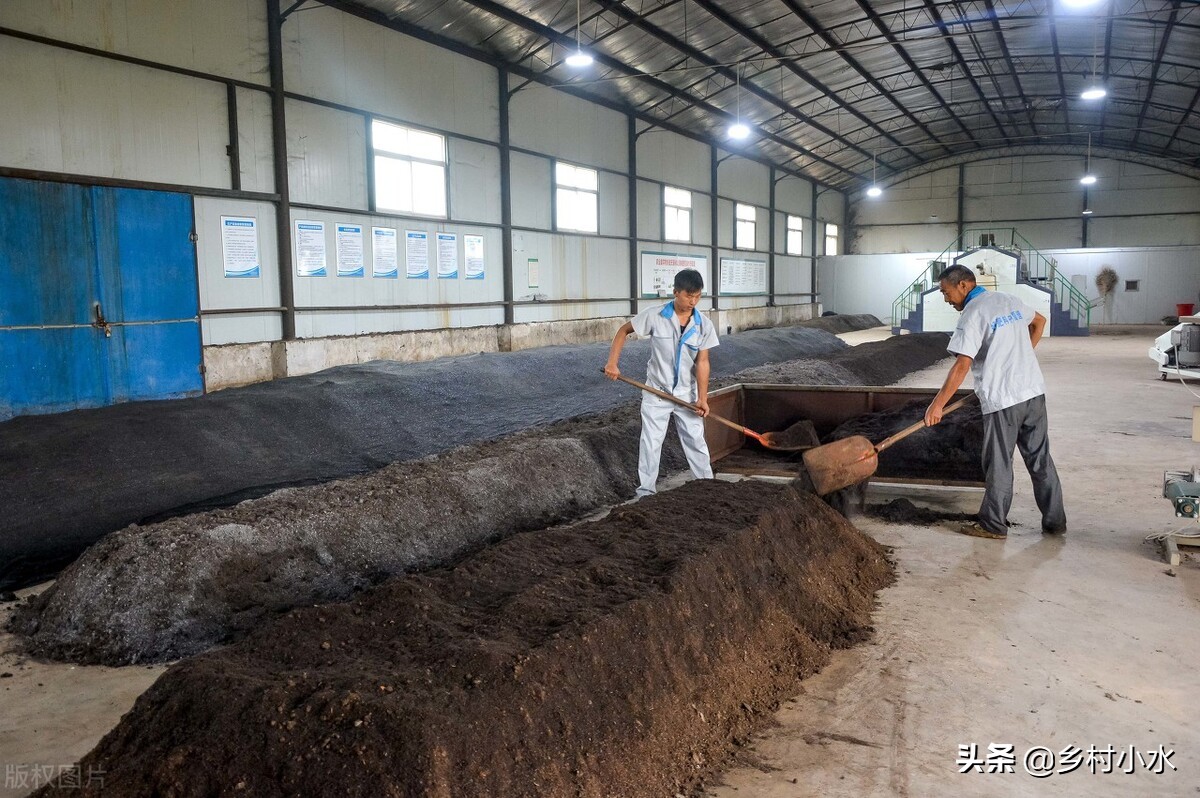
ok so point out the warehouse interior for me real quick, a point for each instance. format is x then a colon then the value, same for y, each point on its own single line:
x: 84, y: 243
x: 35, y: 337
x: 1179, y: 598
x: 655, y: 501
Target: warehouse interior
x: 314, y: 484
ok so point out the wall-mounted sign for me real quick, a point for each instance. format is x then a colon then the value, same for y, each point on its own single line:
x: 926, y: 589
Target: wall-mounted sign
x: 659, y: 270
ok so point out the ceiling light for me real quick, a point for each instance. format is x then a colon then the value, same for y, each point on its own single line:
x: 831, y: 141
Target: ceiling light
x: 1087, y: 211
x: 578, y: 58
x: 1088, y: 178
x: 738, y: 131
x: 874, y: 190
x: 1093, y: 93
x: 1079, y: 3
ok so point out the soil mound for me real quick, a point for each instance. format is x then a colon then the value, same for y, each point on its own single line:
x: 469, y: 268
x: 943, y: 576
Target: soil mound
x: 71, y: 478
x: 509, y: 674
x: 182, y: 586
x: 903, y: 511
x: 175, y: 588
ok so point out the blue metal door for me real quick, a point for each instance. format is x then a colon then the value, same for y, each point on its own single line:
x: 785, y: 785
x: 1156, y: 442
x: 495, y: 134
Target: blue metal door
x: 98, y: 297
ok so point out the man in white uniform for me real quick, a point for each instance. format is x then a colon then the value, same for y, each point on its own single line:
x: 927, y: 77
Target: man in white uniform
x: 680, y: 337
x: 994, y: 340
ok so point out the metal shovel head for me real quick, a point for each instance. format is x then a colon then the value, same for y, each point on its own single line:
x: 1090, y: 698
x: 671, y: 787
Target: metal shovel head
x: 841, y: 464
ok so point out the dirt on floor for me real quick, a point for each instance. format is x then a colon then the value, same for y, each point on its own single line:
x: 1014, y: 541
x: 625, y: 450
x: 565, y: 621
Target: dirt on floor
x: 903, y: 511
x: 178, y: 587
x: 509, y: 674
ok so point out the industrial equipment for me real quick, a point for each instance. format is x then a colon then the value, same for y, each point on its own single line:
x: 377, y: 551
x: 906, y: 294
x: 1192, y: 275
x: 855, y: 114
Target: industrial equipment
x: 1183, y: 489
x: 1177, y: 351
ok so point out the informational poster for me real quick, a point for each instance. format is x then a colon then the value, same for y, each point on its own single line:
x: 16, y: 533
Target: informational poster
x: 447, y: 255
x: 416, y: 254
x: 349, y: 240
x: 659, y: 270
x: 310, y: 249
x: 474, y: 252
x: 740, y: 276
x: 383, y: 252
x: 532, y: 271
x: 239, y: 246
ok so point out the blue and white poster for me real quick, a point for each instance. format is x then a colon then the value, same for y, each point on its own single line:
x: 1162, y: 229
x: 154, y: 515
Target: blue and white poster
x: 447, y: 255
x: 349, y: 240
x: 474, y: 252
x: 416, y: 254
x: 383, y: 252
x: 310, y: 249
x: 239, y: 246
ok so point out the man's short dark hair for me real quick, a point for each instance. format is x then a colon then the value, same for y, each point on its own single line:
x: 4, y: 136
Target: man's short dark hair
x: 956, y: 274
x: 689, y: 281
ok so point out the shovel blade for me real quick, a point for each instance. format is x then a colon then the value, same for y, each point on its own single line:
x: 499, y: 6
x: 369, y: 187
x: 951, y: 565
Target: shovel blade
x: 841, y: 464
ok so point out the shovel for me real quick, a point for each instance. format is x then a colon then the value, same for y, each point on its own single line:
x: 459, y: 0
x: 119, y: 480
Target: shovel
x: 851, y: 460
x: 764, y: 439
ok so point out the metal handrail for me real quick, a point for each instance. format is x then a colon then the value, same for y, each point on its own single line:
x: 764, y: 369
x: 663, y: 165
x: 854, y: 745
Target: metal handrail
x: 1036, y: 267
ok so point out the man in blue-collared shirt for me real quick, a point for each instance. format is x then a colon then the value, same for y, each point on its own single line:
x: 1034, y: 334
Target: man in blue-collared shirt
x: 680, y: 337
x: 994, y: 340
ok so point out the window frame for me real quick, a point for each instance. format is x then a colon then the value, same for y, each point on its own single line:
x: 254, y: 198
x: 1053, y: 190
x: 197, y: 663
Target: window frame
x: 668, y: 206
x: 738, y: 221
x: 788, y: 230
x: 377, y: 153
x: 575, y: 189
x: 836, y: 236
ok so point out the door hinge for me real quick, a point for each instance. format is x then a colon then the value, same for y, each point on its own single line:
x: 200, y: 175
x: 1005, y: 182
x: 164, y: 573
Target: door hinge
x: 193, y: 237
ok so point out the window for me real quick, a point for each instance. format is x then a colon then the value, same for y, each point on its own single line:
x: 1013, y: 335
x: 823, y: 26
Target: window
x: 410, y: 169
x: 1131, y: 285
x: 743, y: 234
x: 795, y: 235
x: 576, y: 198
x: 677, y: 214
x: 831, y: 235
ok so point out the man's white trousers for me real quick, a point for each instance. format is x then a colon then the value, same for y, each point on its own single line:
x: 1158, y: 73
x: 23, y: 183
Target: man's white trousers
x: 656, y: 414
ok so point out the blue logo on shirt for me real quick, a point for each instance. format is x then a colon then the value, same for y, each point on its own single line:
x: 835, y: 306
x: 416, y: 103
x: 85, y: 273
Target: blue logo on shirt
x: 1001, y: 321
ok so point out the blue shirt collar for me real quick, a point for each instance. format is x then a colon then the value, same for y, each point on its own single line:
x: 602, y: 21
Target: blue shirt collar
x: 976, y: 291
x: 669, y: 310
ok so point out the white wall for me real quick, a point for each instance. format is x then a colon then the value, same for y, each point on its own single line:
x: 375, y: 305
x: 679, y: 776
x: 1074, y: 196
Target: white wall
x: 99, y: 118
x: 1132, y: 204
x: 1166, y: 275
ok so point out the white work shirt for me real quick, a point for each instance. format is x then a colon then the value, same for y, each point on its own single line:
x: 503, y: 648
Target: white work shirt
x: 672, y: 350
x: 994, y: 330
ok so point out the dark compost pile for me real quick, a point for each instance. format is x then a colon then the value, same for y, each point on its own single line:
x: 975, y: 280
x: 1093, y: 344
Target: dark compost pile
x: 178, y: 587
x: 951, y: 450
x: 622, y: 657
x: 71, y: 478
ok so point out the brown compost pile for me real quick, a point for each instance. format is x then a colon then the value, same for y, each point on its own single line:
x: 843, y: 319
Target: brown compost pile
x: 628, y: 656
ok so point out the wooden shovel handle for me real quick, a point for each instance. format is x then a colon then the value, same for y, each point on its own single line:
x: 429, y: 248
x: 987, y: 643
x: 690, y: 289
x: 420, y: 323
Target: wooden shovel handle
x: 690, y: 406
x: 904, y: 433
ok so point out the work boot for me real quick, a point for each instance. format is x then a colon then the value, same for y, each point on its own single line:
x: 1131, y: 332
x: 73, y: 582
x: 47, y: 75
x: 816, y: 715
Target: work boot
x: 976, y: 531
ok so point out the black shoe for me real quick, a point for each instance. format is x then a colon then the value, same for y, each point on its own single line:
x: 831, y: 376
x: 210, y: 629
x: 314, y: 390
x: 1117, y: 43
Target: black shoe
x: 1060, y: 530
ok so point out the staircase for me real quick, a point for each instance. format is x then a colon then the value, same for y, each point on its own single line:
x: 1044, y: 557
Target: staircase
x: 1070, y: 311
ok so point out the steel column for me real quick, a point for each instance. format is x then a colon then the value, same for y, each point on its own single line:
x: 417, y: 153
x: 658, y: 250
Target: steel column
x: 283, y: 207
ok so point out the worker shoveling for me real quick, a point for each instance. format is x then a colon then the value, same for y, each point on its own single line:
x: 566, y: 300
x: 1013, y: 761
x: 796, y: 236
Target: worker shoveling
x: 852, y: 460
x: 796, y: 438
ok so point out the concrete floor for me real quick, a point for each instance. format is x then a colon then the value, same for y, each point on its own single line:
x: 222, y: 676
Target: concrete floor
x: 1085, y: 641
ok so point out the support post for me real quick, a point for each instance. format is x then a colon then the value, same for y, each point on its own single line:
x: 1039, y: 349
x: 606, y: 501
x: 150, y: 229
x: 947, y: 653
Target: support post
x: 283, y: 207
x: 506, y: 197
